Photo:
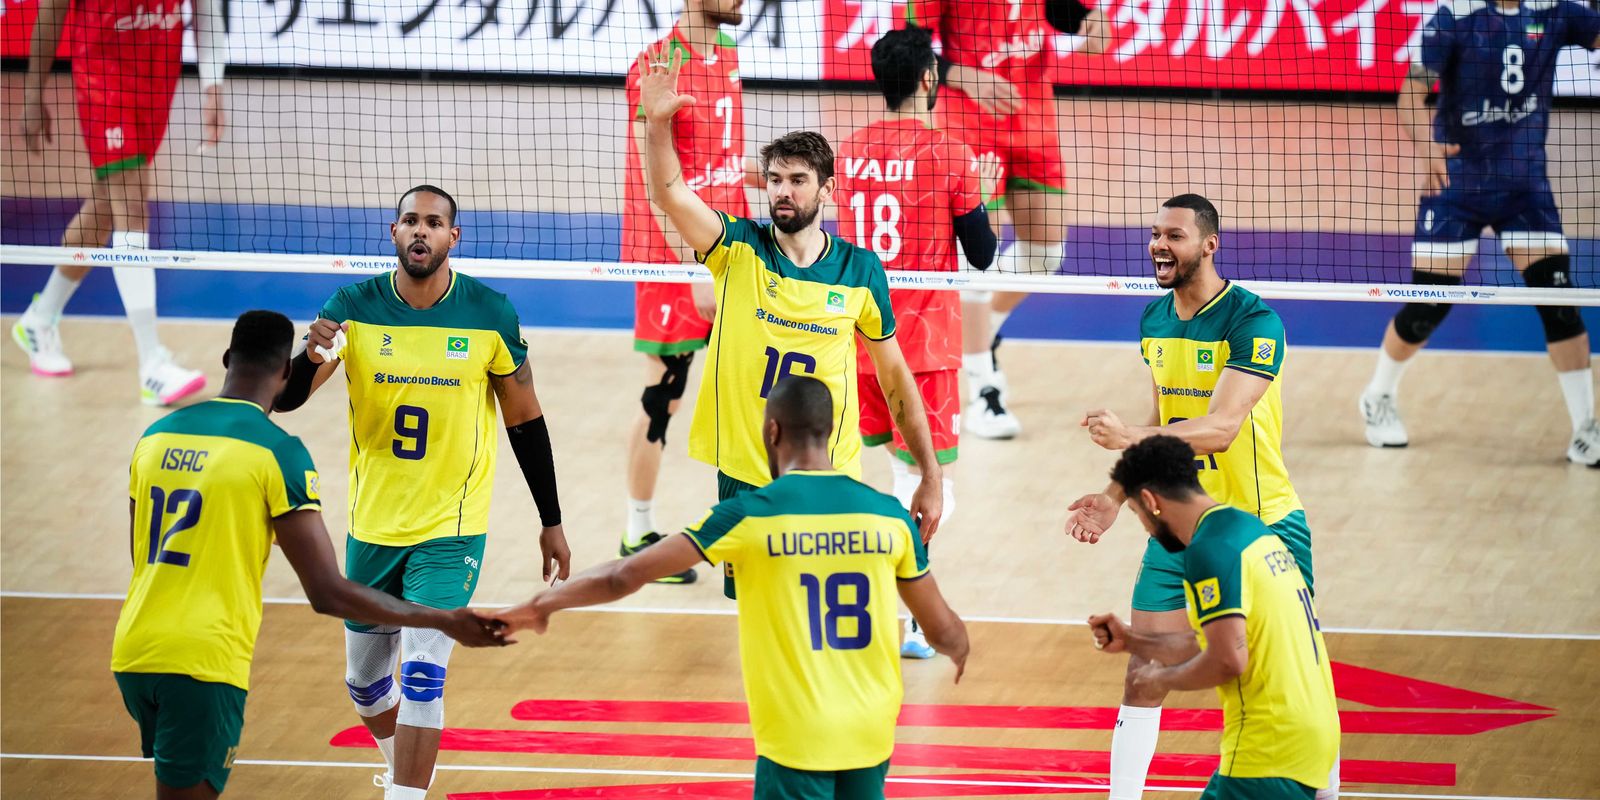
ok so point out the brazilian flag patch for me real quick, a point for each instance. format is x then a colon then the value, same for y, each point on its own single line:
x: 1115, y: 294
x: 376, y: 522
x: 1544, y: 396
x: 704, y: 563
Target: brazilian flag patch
x: 456, y: 347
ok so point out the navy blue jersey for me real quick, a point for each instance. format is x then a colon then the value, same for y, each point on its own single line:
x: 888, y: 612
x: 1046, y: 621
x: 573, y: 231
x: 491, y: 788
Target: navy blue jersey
x: 1496, y: 71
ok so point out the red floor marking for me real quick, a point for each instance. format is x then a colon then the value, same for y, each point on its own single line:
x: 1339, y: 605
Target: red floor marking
x: 1416, y: 723
x: 1021, y: 759
x: 717, y: 790
x: 1387, y: 690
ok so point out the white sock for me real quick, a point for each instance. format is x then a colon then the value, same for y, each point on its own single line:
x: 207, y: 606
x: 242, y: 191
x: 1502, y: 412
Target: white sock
x: 138, y: 289
x: 52, y: 299
x: 641, y: 520
x: 1133, y: 745
x: 1386, y: 377
x: 1577, y: 386
x: 997, y: 320
x: 1332, y: 792
x: 398, y: 792
x: 386, y: 747
x: 979, y: 368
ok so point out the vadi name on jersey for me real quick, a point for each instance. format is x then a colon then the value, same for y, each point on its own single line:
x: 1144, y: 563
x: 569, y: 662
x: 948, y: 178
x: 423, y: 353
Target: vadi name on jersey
x: 888, y: 171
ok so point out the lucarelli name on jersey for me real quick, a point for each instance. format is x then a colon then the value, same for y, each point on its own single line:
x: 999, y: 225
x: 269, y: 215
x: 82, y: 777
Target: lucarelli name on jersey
x: 830, y: 543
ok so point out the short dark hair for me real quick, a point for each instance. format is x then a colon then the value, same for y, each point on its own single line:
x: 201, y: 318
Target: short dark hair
x: 430, y: 189
x: 1163, y: 464
x: 809, y: 147
x: 261, y: 340
x: 803, y: 407
x: 899, y: 60
x: 1205, y: 214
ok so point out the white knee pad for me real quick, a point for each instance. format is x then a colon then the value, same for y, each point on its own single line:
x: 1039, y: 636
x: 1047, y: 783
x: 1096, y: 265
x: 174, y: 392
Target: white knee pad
x: 1033, y: 258
x: 369, y: 669
x: 425, y: 655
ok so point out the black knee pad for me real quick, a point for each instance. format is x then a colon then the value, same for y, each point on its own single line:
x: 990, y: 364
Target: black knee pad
x: 1555, y: 272
x: 657, y: 400
x: 1417, y: 321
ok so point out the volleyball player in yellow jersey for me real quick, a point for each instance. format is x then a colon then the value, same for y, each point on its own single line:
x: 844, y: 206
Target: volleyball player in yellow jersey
x: 211, y: 486
x: 1214, y: 352
x: 790, y: 299
x: 1255, y: 635
x: 817, y: 552
x: 426, y: 351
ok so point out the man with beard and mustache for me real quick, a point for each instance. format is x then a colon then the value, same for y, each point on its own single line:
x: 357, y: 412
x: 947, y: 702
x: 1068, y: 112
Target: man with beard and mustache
x: 910, y: 191
x: 422, y: 347
x: 1214, y: 351
x: 790, y: 300
x: 673, y: 320
x: 1255, y: 636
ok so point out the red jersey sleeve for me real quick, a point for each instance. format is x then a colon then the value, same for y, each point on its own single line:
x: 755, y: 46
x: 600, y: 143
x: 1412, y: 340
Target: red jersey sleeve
x: 924, y: 13
x: 965, y: 189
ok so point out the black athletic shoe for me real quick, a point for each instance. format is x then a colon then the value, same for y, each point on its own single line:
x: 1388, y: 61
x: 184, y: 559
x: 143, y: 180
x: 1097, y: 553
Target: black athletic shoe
x: 686, y: 576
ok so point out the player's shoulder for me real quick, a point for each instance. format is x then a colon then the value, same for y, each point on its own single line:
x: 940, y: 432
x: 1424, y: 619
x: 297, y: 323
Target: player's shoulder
x: 819, y: 493
x: 225, y: 418
x: 478, y: 305
x: 355, y: 300
x: 858, y: 266
x: 1226, y: 532
x: 1244, y: 306
x: 726, y: 45
x: 1157, y: 314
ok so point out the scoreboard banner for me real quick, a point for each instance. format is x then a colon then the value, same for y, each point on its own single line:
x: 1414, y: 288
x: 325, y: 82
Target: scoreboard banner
x: 1283, y: 45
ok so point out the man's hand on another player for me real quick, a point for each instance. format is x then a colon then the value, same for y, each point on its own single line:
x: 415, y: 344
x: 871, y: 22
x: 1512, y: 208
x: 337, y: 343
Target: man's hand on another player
x: 1107, y: 429
x: 473, y: 630
x: 994, y: 94
x: 212, y: 118
x: 324, y: 334
x: 554, y: 555
x: 528, y: 616
x: 989, y: 171
x: 1092, y: 515
x: 1148, y: 678
x: 1436, y: 173
x: 927, y: 506
x: 1096, y: 33
x: 658, y: 85
x: 1110, y: 633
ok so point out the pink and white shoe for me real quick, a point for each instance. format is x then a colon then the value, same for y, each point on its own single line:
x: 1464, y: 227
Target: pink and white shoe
x: 42, y: 342
x: 162, y: 382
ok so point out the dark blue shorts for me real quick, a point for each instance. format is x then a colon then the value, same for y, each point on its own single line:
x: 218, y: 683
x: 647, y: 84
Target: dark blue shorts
x: 1521, y: 218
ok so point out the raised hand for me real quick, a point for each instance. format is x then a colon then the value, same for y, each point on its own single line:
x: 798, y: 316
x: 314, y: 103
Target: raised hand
x: 658, y: 85
x: 1092, y: 515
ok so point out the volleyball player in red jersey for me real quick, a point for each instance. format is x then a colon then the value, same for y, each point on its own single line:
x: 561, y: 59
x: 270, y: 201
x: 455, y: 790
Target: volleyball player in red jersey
x: 907, y: 192
x: 995, y: 60
x: 126, y: 60
x: 673, y: 320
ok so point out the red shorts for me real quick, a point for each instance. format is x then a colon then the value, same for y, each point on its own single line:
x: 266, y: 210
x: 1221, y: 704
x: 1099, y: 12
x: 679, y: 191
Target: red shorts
x: 665, y: 322
x: 124, y: 97
x: 941, y: 400
x: 1028, y: 143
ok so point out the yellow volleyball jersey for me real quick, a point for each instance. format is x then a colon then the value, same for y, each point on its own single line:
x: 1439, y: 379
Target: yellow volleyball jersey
x: 818, y: 555
x: 206, y: 482
x: 1280, y: 718
x: 776, y: 319
x: 422, y: 413
x: 1236, y: 330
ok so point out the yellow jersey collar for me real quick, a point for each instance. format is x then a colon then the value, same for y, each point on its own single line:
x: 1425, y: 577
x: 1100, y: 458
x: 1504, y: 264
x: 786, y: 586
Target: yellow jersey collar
x: 239, y: 401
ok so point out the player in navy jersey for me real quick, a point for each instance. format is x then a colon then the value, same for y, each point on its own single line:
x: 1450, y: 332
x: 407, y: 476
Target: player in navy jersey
x: 1495, y: 64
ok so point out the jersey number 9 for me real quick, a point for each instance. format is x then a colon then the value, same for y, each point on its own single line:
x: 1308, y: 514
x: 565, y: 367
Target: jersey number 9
x: 410, y: 422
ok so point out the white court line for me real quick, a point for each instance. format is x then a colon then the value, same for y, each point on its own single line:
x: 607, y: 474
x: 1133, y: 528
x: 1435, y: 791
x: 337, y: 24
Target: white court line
x: 921, y: 781
x: 729, y: 612
x: 1131, y: 345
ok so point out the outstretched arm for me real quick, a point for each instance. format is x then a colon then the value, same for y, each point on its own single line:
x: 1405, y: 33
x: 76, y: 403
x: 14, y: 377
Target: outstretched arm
x: 699, y: 226
x: 304, y: 542
x: 610, y: 581
x: 946, y: 632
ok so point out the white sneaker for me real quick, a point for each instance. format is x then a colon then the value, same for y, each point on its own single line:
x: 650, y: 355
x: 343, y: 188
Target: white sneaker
x: 1384, y: 428
x: 915, y: 645
x: 42, y: 342
x: 162, y: 382
x: 1585, y: 447
x: 987, y: 417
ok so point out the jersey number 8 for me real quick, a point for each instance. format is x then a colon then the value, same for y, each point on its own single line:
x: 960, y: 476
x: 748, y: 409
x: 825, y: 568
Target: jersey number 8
x: 1511, y: 77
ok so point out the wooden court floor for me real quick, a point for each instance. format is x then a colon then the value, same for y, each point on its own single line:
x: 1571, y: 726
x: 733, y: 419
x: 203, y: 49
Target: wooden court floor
x: 1456, y: 578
